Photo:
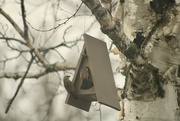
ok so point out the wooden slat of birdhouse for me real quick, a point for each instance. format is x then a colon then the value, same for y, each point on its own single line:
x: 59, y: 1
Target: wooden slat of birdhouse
x: 101, y: 71
x: 79, y: 102
x: 83, y: 62
x: 87, y: 94
x: 178, y: 71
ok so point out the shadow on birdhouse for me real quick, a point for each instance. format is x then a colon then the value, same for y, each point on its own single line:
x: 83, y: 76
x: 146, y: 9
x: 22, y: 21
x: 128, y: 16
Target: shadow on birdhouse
x: 93, y: 78
x: 178, y: 71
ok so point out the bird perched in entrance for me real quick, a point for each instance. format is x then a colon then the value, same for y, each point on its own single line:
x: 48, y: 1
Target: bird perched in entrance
x: 69, y: 86
x: 85, y: 76
x: 107, y: 5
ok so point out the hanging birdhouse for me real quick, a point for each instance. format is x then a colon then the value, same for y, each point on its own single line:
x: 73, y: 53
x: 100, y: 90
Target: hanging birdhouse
x: 93, y: 78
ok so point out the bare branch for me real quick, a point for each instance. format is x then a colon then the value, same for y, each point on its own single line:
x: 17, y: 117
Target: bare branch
x: 24, y: 19
x: 2, y: 3
x: 54, y: 94
x: 14, y: 39
x: 54, y: 68
x: 19, y: 86
x: 9, y: 59
x: 54, y: 47
x: 109, y: 26
x: 60, y: 55
x: 58, y: 24
x: 12, y: 22
x: 28, y: 42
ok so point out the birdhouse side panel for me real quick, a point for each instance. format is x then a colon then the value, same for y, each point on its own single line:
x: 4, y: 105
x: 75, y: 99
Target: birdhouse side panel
x: 101, y: 70
x: 78, y: 103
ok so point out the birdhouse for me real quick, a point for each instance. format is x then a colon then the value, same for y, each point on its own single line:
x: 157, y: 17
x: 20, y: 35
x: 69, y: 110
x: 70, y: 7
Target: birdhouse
x: 93, y: 78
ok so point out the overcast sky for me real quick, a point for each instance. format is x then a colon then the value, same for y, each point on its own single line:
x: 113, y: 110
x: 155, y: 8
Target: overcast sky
x: 32, y: 102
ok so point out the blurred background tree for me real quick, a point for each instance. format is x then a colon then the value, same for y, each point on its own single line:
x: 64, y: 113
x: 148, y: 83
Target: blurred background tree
x: 40, y: 43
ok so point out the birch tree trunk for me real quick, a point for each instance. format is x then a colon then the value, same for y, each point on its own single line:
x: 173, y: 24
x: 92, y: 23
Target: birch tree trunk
x: 148, y: 34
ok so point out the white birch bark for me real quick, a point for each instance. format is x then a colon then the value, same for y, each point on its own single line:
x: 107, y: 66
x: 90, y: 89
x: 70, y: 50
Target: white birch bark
x: 162, y: 55
x: 162, y: 50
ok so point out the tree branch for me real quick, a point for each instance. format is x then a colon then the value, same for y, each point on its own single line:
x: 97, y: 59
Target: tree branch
x: 139, y: 67
x: 109, y: 26
x: 58, y: 24
x: 23, y: 11
x: 43, y: 61
x: 14, y: 39
x: 19, y: 86
x: 54, y: 67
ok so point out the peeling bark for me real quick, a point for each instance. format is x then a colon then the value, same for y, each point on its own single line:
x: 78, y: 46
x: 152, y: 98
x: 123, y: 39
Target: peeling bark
x: 113, y: 29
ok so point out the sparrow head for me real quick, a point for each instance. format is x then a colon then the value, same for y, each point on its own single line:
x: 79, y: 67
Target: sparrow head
x: 86, y: 69
x: 66, y: 77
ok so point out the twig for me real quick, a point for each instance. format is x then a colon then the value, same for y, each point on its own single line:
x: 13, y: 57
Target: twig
x: 14, y: 39
x: 12, y: 22
x: 40, y: 73
x: 19, y: 86
x: 53, y: 96
x: 2, y: 3
x: 43, y: 61
x: 60, y: 55
x: 9, y: 59
x: 24, y: 19
x: 58, y: 24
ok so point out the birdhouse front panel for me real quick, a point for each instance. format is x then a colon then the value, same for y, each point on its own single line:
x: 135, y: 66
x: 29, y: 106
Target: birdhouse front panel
x: 82, y: 84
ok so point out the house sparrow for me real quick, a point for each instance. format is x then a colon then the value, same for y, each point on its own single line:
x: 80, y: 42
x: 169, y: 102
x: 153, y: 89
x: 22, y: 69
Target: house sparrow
x: 107, y: 5
x: 85, y: 76
x: 69, y: 86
